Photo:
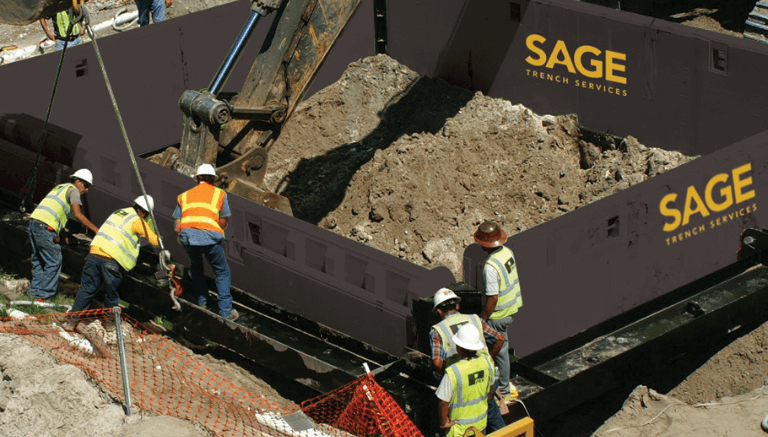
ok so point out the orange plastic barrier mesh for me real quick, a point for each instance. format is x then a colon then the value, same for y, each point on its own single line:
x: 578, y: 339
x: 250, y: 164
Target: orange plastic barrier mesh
x: 363, y: 408
x: 166, y: 380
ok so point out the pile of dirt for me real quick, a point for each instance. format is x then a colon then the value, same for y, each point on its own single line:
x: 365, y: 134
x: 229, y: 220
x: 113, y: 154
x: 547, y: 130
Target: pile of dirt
x: 648, y: 413
x: 411, y: 165
x: 40, y: 396
x: 728, y: 395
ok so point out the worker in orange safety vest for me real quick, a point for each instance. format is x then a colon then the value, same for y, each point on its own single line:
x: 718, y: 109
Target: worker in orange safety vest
x: 200, y: 218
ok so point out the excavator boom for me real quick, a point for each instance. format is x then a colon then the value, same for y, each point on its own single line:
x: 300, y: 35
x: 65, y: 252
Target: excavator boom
x: 300, y: 38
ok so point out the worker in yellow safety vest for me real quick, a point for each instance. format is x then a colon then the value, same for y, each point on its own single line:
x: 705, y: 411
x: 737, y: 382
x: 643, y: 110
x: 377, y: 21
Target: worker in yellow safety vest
x: 200, y: 218
x: 114, y: 252
x: 466, y: 388
x: 503, y: 299
x: 61, y: 29
x: 446, y: 304
x: 62, y: 203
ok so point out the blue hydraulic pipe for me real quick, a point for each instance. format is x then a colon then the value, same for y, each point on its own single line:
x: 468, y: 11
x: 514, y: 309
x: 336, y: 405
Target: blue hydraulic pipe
x: 234, y: 54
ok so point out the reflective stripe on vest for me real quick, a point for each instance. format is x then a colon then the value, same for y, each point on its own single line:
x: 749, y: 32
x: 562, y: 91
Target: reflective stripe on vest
x: 61, y: 24
x: 54, y: 210
x: 472, y: 380
x: 510, y: 299
x: 116, y: 239
x: 200, y: 207
x: 449, y: 326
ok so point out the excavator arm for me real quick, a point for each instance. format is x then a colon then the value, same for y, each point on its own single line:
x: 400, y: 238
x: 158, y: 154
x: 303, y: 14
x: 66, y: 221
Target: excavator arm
x: 235, y: 133
x: 302, y: 34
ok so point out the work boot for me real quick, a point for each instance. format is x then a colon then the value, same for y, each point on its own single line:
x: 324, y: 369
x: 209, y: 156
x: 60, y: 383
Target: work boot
x: 512, y: 395
x: 233, y: 316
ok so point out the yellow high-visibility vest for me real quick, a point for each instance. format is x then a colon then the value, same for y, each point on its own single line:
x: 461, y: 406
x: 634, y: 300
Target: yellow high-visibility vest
x: 54, y: 210
x: 61, y: 24
x: 510, y: 299
x: 449, y: 326
x: 472, y: 380
x: 116, y: 239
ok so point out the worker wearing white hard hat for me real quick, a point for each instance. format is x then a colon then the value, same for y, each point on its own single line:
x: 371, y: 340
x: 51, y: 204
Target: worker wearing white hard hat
x: 465, y: 391
x: 444, y: 350
x: 62, y: 203
x: 202, y: 213
x: 114, y: 252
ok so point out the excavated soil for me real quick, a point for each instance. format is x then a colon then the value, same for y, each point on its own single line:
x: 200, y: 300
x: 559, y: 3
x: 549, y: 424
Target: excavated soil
x: 411, y: 165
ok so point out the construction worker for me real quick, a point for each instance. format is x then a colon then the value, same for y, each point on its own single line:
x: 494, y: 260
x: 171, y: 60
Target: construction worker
x: 201, y: 216
x: 114, y: 251
x: 61, y: 22
x: 466, y: 388
x: 62, y: 203
x: 502, y: 290
x: 446, y: 304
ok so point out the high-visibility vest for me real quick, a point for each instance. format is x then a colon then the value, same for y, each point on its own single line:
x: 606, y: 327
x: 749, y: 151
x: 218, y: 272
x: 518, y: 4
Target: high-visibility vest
x: 54, y: 210
x: 472, y: 380
x: 510, y: 300
x: 61, y: 24
x: 449, y: 326
x: 117, y: 240
x: 200, y: 207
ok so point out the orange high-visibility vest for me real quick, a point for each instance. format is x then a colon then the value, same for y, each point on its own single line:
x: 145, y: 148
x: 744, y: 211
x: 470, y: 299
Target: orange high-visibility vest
x: 200, y: 207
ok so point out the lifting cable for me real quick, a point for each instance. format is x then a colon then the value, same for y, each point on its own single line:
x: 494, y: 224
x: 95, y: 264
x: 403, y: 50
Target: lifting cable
x: 29, y: 188
x: 164, y: 255
x: 89, y: 30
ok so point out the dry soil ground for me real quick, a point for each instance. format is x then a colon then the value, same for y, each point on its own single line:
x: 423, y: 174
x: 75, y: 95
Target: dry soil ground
x: 411, y: 165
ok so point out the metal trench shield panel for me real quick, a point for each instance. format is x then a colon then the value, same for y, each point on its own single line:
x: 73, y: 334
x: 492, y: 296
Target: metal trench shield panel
x: 613, y: 255
x: 677, y: 97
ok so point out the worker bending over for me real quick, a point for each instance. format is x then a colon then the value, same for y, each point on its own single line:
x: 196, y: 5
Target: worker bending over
x: 62, y: 203
x: 201, y: 216
x: 466, y: 388
x: 446, y: 304
x: 114, y: 252
x: 502, y: 289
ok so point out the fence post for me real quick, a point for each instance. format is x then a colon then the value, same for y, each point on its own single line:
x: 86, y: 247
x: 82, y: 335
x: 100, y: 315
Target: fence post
x: 123, y: 365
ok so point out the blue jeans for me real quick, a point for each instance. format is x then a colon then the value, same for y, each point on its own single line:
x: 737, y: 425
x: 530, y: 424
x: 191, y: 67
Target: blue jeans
x: 502, y: 359
x: 156, y: 7
x: 99, y: 270
x: 59, y: 45
x: 46, y: 261
x: 214, y: 253
x: 495, y: 421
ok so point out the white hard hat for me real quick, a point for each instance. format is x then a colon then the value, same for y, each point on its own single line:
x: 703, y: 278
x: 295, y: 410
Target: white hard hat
x: 443, y: 295
x: 83, y: 174
x: 468, y: 337
x: 143, y: 203
x: 206, y: 170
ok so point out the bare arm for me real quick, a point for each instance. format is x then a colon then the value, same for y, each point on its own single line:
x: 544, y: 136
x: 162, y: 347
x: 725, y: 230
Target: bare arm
x: 223, y: 222
x: 442, y: 410
x: 177, y: 226
x: 490, y: 306
x: 47, y: 31
x: 83, y: 219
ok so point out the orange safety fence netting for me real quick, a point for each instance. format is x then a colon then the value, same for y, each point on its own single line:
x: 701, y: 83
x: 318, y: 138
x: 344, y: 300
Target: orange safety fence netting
x: 166, y: 380
x: 362, y: 408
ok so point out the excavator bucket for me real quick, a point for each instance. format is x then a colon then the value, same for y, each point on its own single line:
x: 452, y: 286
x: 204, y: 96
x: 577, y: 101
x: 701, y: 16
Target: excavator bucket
x: 23, y: 12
